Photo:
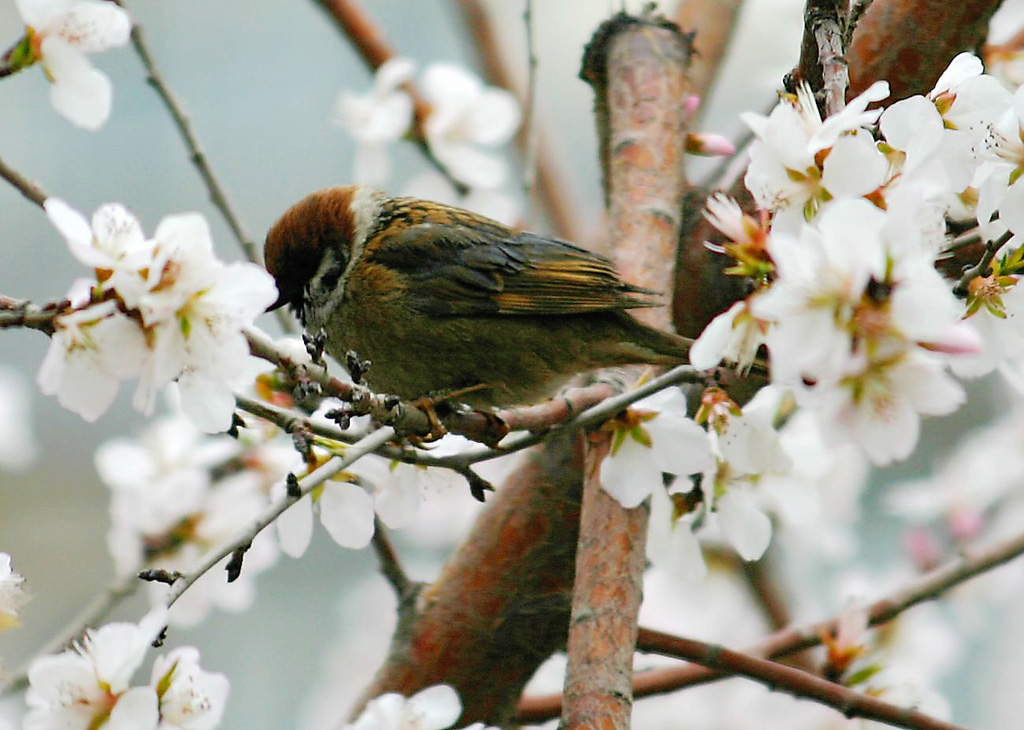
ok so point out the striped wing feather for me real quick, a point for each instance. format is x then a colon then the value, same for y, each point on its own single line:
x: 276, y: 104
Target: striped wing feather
x: 490, y: 269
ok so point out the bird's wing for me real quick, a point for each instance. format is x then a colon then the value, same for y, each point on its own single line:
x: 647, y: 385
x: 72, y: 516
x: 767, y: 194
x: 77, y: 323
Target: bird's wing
x: 487, y: 268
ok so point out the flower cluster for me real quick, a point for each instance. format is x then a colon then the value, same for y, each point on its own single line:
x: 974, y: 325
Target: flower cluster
x: 177, y: 493
x: 465, y: 116
x: 90, y: 684
x: 59, y: 34
x: 160, y: 309
x: 748, y: 472
x: 859, y: 324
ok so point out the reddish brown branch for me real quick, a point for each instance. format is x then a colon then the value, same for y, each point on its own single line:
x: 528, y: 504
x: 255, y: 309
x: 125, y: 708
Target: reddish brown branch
x: 606, y: 601
x: 822, y: 60
x: 783, y: 643
x: 501, y: 604
x: 637, y: 67
x: 910, y: 42
x: 801, y: 684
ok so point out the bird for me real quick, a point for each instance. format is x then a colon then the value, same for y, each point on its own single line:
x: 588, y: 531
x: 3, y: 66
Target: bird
x: 448, y: 304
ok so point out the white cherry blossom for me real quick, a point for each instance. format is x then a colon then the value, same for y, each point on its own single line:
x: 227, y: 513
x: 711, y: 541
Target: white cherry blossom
x: 466, y: 115
x: 191, y: 698
x: 787, y: 172
x: 89, y: 685
x: 665, y: 441
x: 377, y: 118
x: 732, y: 336
x: 196, y: 307
x: 879, y: 407
x: 113, y: 243
x: 60, y: 34
x: 90, y: 352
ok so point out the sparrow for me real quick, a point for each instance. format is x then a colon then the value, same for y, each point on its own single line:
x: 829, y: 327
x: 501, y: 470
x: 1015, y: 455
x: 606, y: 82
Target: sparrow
x: 447, y: 303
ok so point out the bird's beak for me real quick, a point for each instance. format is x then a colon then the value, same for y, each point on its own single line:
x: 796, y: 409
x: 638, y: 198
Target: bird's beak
x: 282, y: 299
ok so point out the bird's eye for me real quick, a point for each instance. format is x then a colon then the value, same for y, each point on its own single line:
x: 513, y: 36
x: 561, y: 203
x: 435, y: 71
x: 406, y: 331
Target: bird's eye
x: 329, y: 278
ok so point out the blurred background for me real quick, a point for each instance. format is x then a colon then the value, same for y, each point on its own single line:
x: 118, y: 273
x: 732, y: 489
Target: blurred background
x: 259, y: 80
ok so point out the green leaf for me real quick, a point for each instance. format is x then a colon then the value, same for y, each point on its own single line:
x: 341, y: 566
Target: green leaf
x: 862, y: 675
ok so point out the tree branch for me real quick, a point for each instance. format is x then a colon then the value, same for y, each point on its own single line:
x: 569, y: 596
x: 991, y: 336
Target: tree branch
x: 637, y: 68
x: 801, y: 684
x: 22, y: 184
x: 245, y: 536
x: 972, y: 563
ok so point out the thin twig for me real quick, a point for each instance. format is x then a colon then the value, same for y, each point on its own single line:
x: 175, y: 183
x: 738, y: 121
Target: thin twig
x: 408, y: 418
x: 828, y: 25
x: 21, y: 313
x: 218, y: 196
x: 981, y: 268
x: 24, y: 186
x: 969, y: 237
x: 802, y: 684
x: 857, y: 10
x: 529, y: 107
x: 245, y: 536
x: 390, y: 565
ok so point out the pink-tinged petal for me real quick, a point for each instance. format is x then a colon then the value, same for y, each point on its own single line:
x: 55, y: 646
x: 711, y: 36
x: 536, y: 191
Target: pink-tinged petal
x: 709, y: 144
x: 346, y: 512
x: 747, y: 528
x: 960, y: 339
x: 79, y: 92
x: 93, y: 27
